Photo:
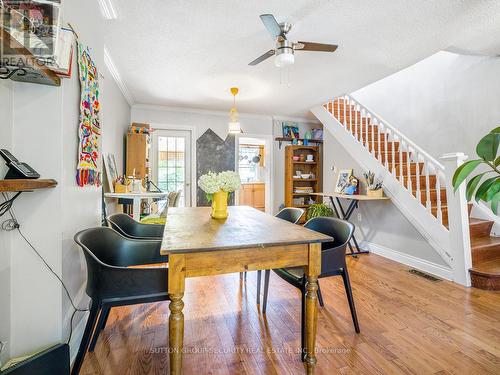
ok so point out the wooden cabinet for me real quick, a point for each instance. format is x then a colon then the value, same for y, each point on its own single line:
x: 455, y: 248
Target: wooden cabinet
x: 253, y: 195
x: 297, y: 188
x: 137, y: 155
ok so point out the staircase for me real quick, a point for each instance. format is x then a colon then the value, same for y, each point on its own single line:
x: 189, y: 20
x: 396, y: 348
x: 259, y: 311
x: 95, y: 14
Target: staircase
x: 417, y: 184
x: 485, y: 271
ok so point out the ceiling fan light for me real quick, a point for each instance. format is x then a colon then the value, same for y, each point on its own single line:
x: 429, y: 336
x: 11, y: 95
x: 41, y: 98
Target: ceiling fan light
x: 284, y: 59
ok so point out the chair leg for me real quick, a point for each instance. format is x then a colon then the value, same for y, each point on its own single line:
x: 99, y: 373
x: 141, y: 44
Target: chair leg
x: 89, y: 327
x: 350, y: 298
x: 303, y: 325
x: 266, y: 290
x: 245, y: 273
x: 241, y: 276
x: 259, y: 275
x: 106, y: 319
x: 320, y: 297
x: 99, y: 327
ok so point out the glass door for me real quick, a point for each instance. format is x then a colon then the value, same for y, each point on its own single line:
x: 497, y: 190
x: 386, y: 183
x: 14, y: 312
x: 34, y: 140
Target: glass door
x: 172, y: 162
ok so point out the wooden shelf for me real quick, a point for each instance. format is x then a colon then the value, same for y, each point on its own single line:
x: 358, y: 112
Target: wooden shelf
x: 35, y: 72
x: 304, y: 162
x: 25, y: 185
x: 305, y: 179
x: 283, y: 139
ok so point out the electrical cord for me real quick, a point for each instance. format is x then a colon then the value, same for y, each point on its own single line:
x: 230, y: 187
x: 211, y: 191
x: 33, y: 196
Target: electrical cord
x: 12, y: 224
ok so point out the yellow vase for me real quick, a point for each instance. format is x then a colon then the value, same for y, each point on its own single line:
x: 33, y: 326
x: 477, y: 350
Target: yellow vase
x: 219, y: 204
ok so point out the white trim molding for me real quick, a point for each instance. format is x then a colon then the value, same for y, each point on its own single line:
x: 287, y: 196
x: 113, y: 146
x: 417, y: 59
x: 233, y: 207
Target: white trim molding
x: 409, y: 260
x: 108, y: 9
x: 116, y: 76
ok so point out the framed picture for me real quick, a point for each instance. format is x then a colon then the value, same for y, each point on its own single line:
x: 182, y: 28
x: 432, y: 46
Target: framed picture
x: 343, y: 180
x: 290, y: 130
x: 111, y: 172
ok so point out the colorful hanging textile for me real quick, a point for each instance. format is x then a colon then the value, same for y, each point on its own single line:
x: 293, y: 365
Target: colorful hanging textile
x: 89, y: 130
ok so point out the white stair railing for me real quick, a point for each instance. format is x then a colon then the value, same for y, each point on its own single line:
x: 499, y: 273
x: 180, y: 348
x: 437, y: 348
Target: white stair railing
x: 372, y: 127
x: 371, y: 140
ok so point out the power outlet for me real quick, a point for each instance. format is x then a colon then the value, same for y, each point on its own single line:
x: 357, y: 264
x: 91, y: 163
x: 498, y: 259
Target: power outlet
x: 359, y: 216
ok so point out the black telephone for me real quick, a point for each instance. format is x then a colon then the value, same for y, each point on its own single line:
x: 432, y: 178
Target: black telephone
x: 16, y: 168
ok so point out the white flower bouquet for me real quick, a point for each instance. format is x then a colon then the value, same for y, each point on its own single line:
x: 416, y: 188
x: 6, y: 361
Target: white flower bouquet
x: 211, y: 183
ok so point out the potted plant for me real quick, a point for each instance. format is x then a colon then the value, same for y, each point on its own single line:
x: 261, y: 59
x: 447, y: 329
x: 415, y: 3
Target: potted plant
x: 489, y: 189
x: 318, y: 209
x: 373, y: 185
x: 217, y: 187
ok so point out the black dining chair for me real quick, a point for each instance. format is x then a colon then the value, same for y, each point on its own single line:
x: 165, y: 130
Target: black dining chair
x: 290, y: 214
x: 130, y: 228
x: 332, y: 264
x: 110, y: 283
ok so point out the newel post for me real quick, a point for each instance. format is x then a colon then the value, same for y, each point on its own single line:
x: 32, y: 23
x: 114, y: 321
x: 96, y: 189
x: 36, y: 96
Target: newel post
x: 458, y: 221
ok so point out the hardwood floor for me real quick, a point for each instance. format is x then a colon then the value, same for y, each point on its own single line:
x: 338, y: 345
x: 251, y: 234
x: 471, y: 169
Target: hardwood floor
x: 409, y: 325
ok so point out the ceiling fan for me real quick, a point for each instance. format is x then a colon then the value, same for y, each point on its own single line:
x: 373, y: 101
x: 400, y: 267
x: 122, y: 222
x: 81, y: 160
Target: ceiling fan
x: 285, y: 49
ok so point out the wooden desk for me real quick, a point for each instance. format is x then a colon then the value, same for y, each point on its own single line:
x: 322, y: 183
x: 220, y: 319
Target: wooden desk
x: 247, y: 240
x: 136, y: 198
x: 346, y: 214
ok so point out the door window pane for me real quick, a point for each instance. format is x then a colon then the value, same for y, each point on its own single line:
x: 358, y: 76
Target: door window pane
x: 171, y: 164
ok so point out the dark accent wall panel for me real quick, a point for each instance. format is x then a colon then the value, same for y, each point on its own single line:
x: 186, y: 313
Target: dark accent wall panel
x: 216, y: 155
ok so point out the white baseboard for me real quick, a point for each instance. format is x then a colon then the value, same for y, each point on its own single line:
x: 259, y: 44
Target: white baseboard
x: 76, y: 337
x: 409, y: 260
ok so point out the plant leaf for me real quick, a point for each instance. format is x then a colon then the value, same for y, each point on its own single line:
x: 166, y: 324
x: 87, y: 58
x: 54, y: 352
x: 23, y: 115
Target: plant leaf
x: 472, y: 185
x: 493, y: 189
x: 496, y: 130
x: 494, y: 203
x: 463, y: 171
x: 484, y: 188
x: 497, y: 162
x: 488, y: 146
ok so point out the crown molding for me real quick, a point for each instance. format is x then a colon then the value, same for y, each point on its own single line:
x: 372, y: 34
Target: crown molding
x: 116, y: 76
x: 108, y: 9
x: 213, y: 112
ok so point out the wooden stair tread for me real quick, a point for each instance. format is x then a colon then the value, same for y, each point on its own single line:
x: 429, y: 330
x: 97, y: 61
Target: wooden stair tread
x: 484, y: 242
x: 490, y: 268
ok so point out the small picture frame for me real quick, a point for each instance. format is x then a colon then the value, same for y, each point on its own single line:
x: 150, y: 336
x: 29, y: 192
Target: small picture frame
x: 343, y: 180
x: 290, y: 130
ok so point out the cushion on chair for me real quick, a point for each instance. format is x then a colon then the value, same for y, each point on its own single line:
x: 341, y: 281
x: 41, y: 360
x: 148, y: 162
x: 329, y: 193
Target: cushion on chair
x: 293, y: 275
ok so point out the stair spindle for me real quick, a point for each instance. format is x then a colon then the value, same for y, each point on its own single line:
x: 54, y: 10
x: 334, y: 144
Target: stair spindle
x: 438, y: 197
x: 350, y: 117
x: 428, y: 203
x: 408, y: 165
x: 368, y: 122
x: 386, y: 137
x: 345, y: 121
x: 358, y: 137
x: 417, y: 176
x: 393, y: 153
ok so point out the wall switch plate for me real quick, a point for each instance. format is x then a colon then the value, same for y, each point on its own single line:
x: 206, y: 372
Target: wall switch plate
x: 359, y: 216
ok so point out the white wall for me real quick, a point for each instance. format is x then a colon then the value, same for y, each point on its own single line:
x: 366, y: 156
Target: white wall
x: 445, y: 103
x: 201, y: 120
x: 42, y: 131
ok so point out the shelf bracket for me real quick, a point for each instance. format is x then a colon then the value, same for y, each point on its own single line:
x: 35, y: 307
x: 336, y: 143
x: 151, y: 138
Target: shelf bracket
x: 7, y: 73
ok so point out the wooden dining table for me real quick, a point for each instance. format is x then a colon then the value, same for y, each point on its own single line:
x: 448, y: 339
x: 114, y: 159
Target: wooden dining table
x: 247, y: 240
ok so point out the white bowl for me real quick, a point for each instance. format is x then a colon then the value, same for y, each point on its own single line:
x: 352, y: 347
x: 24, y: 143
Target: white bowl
x: 305, y: 176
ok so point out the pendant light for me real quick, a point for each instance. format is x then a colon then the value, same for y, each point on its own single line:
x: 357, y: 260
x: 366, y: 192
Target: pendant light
x: 234, y: 124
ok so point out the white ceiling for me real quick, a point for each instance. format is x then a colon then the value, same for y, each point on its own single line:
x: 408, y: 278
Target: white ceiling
x: 188, y: 53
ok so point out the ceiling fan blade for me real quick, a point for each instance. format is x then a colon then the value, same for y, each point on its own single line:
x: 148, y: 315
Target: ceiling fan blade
x: 310, y: 46
x: 263, y: 57
x: 272, y: 25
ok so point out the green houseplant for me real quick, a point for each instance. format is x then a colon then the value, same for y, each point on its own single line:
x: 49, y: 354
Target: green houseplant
x: 487, y: 190
x: 318, y: 209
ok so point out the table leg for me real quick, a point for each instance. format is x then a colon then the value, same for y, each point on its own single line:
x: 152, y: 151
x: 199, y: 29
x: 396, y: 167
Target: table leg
x: 313, y: 269
x: 136, y: 209
x: 176, y: 282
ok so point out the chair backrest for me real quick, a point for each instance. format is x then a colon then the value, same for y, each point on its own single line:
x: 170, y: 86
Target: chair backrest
x: 332, y: 253
x: 130, y: 228
x: 291, y: 214
x: 107, y: 251
x: 174, y: 198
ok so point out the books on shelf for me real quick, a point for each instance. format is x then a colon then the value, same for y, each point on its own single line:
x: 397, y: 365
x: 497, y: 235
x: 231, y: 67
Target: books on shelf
x: 303, y: 189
